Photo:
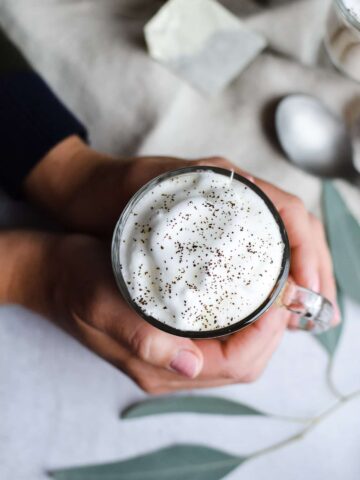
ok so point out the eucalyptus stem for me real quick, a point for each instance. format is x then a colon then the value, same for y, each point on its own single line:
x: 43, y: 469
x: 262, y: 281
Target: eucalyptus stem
x: 313, y: 422
x: 290, y: 419
x: 278, y: 446
x: 352, y: 395
x: 330, y: 382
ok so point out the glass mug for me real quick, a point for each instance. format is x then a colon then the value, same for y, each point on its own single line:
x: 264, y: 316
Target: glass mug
x: 313, y: 311
x: 342, y: 39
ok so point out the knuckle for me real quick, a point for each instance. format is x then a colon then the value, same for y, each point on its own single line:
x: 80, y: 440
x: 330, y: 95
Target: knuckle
x: 95, y: 317
x: 317, y: 224
x: 151, y: 385
x: 271, y: 323
x: 295, y: 203
x: 140, y: 343
x: 159, y: 390
x: 147, y: 385
x: 233, y: 373
x: 145, y: 379
x: 263, y: 326
x: 251, y: 376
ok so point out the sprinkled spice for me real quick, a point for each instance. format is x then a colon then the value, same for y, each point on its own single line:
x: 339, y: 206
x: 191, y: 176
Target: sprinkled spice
x: 203, y: 253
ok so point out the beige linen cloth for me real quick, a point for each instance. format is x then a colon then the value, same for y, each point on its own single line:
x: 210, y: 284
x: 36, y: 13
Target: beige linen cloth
x: 59, y: 402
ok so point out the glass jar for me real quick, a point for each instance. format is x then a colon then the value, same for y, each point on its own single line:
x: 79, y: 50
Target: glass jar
x: 342, y: 39
x: 313, y: 312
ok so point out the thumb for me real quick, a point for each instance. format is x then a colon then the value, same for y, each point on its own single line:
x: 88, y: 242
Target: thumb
x: 158, y: 348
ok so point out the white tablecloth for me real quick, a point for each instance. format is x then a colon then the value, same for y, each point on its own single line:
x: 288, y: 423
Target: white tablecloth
x: 59, y: 403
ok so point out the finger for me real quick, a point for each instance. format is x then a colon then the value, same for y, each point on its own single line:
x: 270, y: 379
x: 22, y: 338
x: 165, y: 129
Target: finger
x: 156, y: 380
x: 304, y: 265
x: 151, y: 379
x: 152, y: 345
x: 262, y: 362
x: 221, y: 162
x: 304, y: 262
x: 247, y: 372
x: 327, y: 278
x: 110, y: 314
x: 234, y: 357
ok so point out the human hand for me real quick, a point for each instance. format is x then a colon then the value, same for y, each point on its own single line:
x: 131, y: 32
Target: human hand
x: 87, y: 190
x: 159, y: 362
x: 69, y: 280
x: 107, y: 185
x: 311, y: 264
x: 88, y: 305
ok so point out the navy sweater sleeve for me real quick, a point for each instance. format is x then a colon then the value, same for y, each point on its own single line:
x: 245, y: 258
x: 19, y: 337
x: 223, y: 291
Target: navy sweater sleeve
x: 32, y: 121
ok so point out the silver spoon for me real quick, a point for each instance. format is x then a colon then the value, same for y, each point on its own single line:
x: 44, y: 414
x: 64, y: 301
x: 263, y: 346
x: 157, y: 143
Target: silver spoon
x: 314, y: 138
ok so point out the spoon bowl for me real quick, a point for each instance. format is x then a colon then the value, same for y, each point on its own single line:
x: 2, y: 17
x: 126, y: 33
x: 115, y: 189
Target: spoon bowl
x: 313, y: 137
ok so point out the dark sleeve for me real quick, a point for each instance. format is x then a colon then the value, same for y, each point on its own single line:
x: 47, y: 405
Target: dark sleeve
x: 32, y: 119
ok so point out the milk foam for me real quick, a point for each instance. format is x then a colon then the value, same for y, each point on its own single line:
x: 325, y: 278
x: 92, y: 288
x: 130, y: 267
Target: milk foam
x: 353, y: 6
x: 200, y: 252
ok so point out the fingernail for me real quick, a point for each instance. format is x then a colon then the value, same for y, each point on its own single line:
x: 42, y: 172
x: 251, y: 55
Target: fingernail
x: 337, y: 315
x: 249, y: 177
x: 315, y: 283
x: 186, y: 363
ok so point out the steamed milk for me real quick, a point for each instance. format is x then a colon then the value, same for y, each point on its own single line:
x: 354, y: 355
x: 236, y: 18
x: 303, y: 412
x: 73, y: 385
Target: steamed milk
x: 200, y: 252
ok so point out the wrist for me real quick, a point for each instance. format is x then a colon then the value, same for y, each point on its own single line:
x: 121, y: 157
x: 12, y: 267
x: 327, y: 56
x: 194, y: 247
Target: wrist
x: 27, y: 276
x: 56, y: 183
x: 79, y: 261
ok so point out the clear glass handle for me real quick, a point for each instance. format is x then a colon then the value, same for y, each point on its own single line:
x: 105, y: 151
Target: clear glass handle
x: 314, y: 312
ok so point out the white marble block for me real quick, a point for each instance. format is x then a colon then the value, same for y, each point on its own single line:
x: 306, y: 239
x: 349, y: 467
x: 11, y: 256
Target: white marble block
x: 202, y: 42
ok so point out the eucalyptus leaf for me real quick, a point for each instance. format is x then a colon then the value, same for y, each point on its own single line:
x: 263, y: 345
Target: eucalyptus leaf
x: 343, y: 232
x: 179, y: 462
x: 198, y: 404
x: 330, y: 339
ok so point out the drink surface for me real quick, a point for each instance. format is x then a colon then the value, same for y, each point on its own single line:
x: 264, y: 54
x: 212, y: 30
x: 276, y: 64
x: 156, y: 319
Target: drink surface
x: 200, y: 252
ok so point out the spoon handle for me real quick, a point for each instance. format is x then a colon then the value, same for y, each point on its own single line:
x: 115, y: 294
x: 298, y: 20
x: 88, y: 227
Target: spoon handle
x: 355, y: 179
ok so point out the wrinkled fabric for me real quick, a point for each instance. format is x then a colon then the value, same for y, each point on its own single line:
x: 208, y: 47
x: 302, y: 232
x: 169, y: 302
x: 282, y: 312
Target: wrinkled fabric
x: 59, y: 403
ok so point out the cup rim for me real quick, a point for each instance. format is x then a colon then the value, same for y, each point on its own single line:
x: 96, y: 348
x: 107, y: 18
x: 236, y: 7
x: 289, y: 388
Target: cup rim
x: 248, y: 320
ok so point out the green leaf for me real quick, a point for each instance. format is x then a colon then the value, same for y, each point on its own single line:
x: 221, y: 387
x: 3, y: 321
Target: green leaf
x: 343, y: 233
x: 330, y: 339
x: 179, y: 462
x: 199, y: 404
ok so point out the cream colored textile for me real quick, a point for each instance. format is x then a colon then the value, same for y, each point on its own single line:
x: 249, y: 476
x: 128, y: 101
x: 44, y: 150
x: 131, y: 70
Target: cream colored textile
x: 59, y: 403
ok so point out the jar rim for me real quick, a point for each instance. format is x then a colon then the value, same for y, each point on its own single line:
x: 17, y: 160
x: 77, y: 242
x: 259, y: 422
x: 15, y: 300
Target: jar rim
x: 350, y: 17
